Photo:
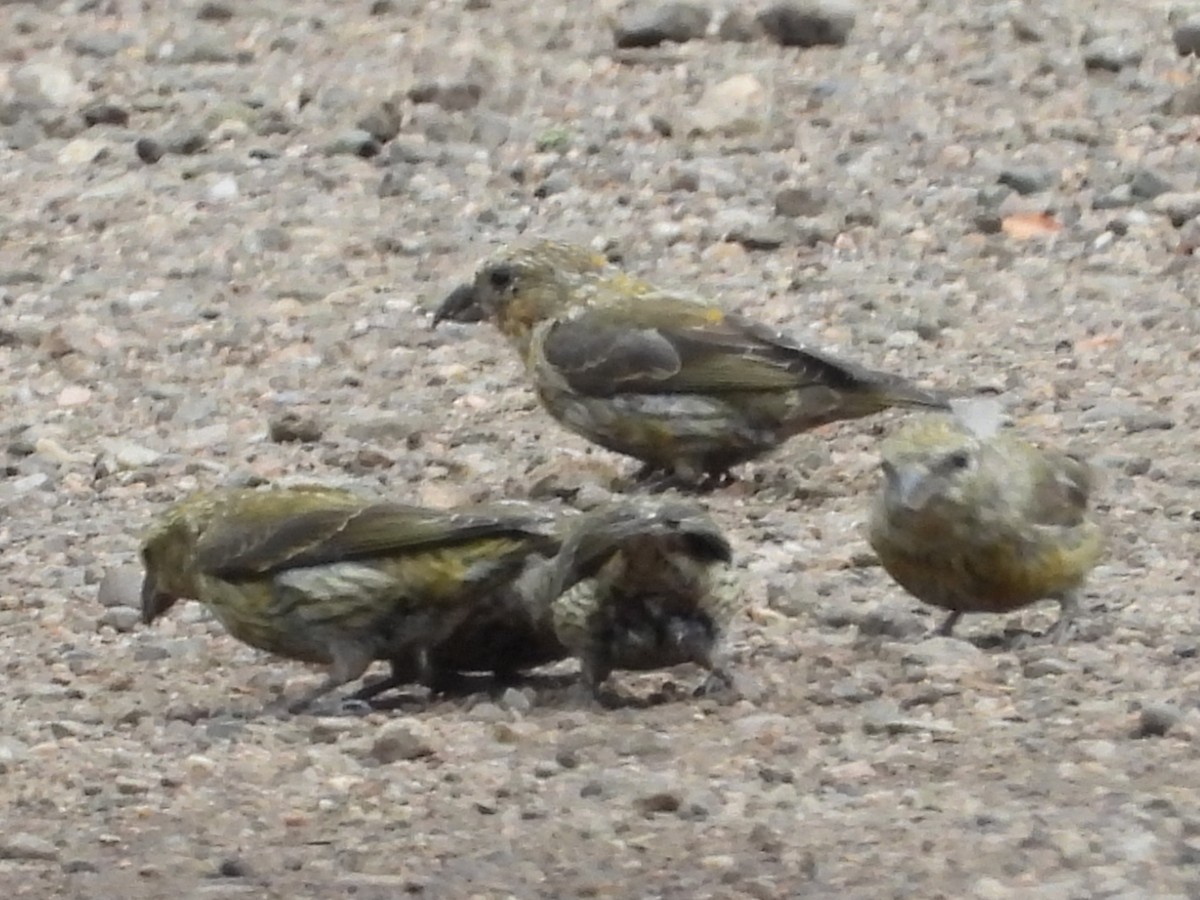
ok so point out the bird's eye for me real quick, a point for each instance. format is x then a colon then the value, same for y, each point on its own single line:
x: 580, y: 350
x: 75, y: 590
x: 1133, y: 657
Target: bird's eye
x: 501, y: 277
x: 959, y: 459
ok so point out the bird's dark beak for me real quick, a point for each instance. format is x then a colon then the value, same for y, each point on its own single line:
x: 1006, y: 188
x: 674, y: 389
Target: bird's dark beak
x: 459, y: 306
x: 154, y: 601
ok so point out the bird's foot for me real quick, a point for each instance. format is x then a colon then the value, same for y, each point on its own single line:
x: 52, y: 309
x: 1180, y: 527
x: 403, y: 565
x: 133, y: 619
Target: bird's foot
x: 718, y: 685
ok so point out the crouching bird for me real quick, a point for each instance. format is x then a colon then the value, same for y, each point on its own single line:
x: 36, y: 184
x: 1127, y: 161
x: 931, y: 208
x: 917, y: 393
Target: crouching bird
x: 324, y: 576
x: 975, y: 520
x: 643, y: 585
x: 676, y: 382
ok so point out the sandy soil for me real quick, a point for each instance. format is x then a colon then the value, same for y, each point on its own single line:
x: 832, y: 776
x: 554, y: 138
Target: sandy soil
x: 199, y: 233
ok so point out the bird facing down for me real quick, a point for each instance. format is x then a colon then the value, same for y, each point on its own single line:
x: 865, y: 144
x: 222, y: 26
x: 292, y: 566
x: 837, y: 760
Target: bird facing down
x: 687, y: 388
x: 974, y: 521
x: 326, y: 577
x: 643, y: 585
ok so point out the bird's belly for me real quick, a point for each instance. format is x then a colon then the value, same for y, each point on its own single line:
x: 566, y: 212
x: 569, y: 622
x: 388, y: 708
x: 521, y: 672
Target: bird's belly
x: 666, y: 429
x: 994, y: 578
x: 251, y: 624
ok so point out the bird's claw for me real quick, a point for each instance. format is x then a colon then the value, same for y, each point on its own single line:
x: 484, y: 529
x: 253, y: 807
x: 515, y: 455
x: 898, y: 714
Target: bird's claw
x: 718, y: 685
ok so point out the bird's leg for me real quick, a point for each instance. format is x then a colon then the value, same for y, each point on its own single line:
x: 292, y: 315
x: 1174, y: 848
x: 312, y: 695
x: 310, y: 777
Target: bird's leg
x: 1061, y: 630
x: 350, y: 661
x: 647, y: 473
x: 947, y: 626
x: 401, y: 674
x: 595, y: 669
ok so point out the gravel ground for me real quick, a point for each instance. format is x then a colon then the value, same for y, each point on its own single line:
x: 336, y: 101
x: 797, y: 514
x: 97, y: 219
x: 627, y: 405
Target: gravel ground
x: 216, y: 216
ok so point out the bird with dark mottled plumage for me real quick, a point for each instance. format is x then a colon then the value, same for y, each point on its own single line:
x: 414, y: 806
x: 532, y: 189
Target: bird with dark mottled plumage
x: 643, y: 585
x: 324, y: 576
x: 682, y: 385
x: 972, y: 519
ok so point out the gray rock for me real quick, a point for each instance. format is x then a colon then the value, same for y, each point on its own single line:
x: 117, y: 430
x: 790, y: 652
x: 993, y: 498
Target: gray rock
x: 1185, y: 101
x: 883, y: 717
x: 149, y: 150
x: 185, y: 140
x: 649, y: 26
x: 24, y: 134
x: 12, y: 752
x: 214, y: 11
x: 1156, y: 719
x: 101, y: 44
x: 121, y: 618
x: 1026, y: 179
x: 1186, y: 37
x: 45, y: 84
x: 355, y: 142
x: 795, y: 202
x: 1132, y: 417
x: 1119, y: 197
x: 749, y: 230
x: 1146, y: 184
x: 891, y: 621
x: 453, y: 96
x: 394, y: 183
x: 382, y: 121
x: 200, y: 48
x: 1026, y: 26
x: 124, y: 455
x: 518, y: 701
x: 381, y: 427
x: 1178, y: 206
x: 399, y: 741
x: 661, y: 801
x: 292, y: 426
x: 739, y: 105
x: 808, y: 24
x: 104, y: 114
x: 946, y: 653
x: 1110, y: 54
x: 121, y: 587
x: 22, y: 845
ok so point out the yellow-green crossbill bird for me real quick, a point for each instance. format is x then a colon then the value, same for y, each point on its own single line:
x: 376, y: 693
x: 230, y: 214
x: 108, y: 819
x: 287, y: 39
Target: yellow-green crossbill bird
x: 687, y: 388
x: 972, y: 519
x: 324, y: 576
x: 644, y: 585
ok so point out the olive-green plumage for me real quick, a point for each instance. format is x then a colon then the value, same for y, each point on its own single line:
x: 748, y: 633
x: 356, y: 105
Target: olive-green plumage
x: 983, y: 523
x: 677, y: 383
x: 643, y: 585
x: 324, y: 576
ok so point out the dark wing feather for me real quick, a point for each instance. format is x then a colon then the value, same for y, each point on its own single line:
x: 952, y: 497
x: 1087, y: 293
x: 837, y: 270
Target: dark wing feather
x: 683, y: 349
x: 1061, y: 491
x: 321, y: 536
x: 593, y: 543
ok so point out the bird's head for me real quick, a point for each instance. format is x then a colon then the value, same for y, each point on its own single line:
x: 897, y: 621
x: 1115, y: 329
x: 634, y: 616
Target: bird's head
x: 517, y: 287
x: 929, y: 466
x: 168, y: 556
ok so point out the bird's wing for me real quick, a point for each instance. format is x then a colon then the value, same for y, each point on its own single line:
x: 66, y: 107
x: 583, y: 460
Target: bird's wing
x: 593, y: 542
x: 659, y: 344
x: 313, y: 537
x: 1060, y: 490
